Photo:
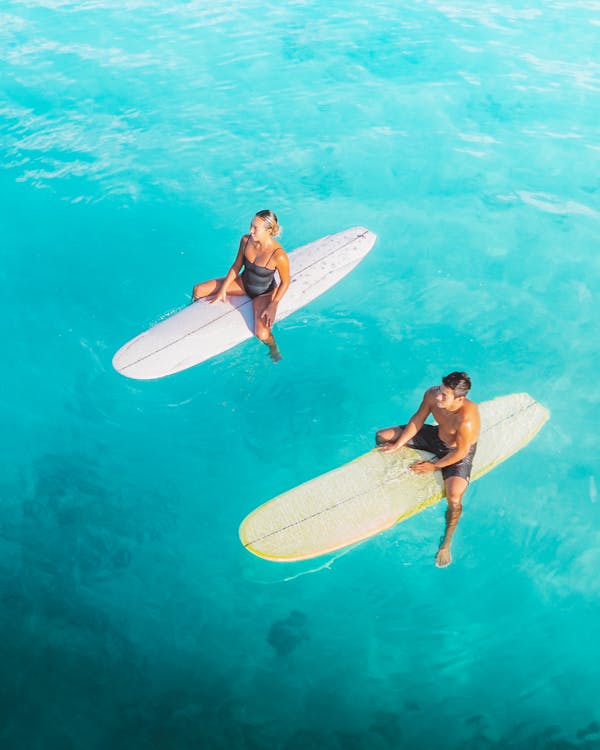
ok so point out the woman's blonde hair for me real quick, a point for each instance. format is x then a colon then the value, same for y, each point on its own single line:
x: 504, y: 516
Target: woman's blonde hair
x: 270, y: 220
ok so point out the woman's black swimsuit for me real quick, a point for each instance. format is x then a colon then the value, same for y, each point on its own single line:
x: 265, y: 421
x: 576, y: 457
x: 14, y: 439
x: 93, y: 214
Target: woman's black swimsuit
x: 256, y: 279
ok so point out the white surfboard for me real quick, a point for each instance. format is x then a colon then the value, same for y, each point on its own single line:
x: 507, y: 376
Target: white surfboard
x: 201, y: 331
x: 377, y: 490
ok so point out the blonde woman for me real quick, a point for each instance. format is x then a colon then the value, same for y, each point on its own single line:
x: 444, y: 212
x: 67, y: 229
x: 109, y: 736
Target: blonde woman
x: 260, y: 255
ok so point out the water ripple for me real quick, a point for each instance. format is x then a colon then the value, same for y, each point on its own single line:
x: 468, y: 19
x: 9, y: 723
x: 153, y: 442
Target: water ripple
x: 554, y: 205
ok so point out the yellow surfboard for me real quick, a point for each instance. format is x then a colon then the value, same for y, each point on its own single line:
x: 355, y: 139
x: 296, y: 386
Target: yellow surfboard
x: 377, y: 490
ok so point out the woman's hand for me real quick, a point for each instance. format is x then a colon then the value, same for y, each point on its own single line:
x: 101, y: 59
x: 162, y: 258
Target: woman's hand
x: 268, y: 316
x: 220, y: 296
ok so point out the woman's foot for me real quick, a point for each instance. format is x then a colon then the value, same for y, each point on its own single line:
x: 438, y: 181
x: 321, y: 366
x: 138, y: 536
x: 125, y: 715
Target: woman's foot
x: 274, y: 352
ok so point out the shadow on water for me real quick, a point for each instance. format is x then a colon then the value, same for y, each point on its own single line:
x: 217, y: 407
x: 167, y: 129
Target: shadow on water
x: 287, y: 634
x: 386, y: 734
x: 77, y: 528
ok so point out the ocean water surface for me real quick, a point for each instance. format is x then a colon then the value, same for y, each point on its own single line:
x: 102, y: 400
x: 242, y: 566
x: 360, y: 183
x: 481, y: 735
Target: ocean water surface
x: 138, y: 138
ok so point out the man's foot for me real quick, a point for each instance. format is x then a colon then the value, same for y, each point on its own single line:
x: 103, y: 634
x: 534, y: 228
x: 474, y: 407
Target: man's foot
x: 443, y: 558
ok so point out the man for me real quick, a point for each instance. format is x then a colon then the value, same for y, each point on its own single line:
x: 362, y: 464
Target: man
x: 453, y: 441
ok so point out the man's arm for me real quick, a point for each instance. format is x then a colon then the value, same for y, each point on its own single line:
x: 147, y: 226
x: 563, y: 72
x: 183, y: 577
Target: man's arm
x: 412, y: 427
x: 465, y: 437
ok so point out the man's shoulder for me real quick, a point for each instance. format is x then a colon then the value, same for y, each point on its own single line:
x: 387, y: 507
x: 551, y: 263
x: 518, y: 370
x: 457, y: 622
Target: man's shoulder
x: 470, y: 416
x: 472, y: 406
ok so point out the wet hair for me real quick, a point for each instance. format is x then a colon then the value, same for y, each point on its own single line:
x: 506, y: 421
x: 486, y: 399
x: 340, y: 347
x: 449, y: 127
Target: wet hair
x: 458, y: 382
x: 270, y: 220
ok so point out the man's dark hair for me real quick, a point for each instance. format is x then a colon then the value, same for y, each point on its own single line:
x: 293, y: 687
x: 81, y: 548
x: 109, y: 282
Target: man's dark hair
x: 458, y: 382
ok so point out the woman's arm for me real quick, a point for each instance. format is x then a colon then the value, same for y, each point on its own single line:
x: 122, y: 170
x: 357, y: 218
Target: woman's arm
x: 233, y: 272
x: 282, y: 264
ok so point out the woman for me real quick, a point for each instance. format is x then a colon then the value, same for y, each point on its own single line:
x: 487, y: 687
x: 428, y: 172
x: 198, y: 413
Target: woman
x: 260, y: 255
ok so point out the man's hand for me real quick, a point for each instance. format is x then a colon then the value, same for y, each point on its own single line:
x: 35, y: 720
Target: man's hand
x: 388, y: 447
x: 423, y: 467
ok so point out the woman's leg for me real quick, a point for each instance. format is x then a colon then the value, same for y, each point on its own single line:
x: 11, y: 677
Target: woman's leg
x: 261, y: 330
x: 211, y: 287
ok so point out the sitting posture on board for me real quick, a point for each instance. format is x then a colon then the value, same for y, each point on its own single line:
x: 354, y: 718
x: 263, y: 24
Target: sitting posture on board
x: 453, y: 440
x: 260, y: 255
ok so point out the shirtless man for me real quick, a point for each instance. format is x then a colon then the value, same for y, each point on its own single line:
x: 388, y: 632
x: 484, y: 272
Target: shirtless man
x: 453, y: 440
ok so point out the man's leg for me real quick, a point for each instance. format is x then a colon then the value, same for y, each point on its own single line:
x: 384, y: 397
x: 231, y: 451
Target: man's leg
x: 455, y: 489
x: 388, y: 435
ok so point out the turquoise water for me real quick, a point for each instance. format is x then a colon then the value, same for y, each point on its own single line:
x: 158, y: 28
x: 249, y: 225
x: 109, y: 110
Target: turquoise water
x: 137, y: 140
